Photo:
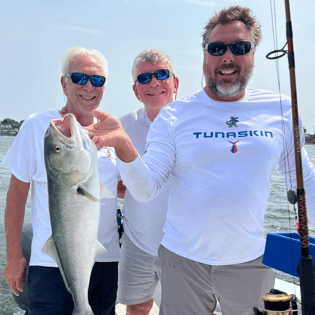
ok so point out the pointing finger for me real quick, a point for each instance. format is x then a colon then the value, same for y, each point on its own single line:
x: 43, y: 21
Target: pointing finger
x: 99, y: 114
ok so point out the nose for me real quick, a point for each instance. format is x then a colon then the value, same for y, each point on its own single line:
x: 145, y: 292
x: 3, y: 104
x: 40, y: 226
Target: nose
x: 154, y: 82
x: 228, y: 57
x: 88, y: 86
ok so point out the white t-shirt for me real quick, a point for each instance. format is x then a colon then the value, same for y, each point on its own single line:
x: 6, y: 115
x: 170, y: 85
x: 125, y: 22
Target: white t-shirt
x: 25, y: 160
x: 221, y: 156
x: 143, y: 222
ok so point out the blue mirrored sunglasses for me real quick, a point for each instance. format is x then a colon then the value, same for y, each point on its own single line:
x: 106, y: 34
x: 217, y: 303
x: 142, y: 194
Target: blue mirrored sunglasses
x: 238, y: 48
x: 82, y: 79
x: 146, y: 77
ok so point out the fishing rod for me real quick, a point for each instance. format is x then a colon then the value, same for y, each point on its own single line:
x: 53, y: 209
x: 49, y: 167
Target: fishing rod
x: 305, y: 268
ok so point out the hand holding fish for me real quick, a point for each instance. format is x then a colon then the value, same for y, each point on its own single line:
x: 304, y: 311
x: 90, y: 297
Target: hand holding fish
x: 14, y: 273
x: 109, y: 132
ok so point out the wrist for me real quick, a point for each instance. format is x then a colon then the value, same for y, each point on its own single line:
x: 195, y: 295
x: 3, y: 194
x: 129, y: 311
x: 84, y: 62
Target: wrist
x: 126, y: 151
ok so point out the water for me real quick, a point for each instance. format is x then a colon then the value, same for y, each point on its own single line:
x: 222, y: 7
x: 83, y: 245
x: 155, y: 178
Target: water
x: 276, y: 220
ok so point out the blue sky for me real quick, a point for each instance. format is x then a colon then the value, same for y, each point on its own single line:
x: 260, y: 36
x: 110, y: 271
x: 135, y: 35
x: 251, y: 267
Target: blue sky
x: 35, y: 35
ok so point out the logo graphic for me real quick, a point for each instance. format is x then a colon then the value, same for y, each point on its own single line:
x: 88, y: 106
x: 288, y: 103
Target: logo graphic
x: 232, y: 122
x: 234, y: 147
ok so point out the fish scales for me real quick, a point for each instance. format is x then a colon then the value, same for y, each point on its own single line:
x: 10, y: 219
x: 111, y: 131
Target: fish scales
x: 74, y: 206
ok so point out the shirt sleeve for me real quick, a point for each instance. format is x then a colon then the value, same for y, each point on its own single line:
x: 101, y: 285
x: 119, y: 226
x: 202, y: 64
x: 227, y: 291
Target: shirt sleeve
x: 20, y: 160
x: 146, y: 176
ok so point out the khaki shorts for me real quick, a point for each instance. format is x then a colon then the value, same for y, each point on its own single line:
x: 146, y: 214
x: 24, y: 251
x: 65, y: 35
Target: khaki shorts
x: 191, y: 288
x: 139, y: 274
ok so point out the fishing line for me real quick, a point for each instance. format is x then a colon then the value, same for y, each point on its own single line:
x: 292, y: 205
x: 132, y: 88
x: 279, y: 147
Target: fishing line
x: 287, y: 168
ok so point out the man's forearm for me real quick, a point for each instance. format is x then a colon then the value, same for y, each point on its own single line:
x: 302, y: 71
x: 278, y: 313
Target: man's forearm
x: 126, y: 150
x: 14, y: 217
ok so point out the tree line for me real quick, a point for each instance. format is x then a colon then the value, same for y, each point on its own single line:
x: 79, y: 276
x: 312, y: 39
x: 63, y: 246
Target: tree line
x: 9, y: 121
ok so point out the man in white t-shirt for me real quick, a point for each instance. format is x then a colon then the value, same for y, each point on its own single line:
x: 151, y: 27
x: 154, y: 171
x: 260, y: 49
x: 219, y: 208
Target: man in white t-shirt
x: 155, y: 85
x: 84, y: 72
x: 220, y: 145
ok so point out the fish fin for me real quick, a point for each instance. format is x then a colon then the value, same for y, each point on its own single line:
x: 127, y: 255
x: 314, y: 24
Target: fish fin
x: 50, y: 249
x: 106, y: 193
x: 100, y: 249
x: 77, y: 311
x: 84, y: 193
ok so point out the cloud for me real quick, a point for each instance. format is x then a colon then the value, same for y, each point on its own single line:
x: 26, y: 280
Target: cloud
x: 205, y: 3
x: 81, y: 29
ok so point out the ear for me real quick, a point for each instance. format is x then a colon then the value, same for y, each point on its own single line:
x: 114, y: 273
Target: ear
x: 135, y: 90
x: 64, y: 85
x: 176, y: 84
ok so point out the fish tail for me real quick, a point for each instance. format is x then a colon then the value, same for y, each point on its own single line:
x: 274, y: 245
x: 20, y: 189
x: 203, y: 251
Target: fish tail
x: 80, y: 311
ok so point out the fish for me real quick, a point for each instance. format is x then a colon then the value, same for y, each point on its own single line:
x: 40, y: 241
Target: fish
x: 74, y: 195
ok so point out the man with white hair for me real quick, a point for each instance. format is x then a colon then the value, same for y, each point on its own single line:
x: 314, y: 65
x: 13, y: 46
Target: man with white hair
x: 84, y: 72
x: 155, y: 85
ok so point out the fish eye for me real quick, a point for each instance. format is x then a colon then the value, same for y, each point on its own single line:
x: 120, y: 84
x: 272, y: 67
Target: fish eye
x: 57, y: 148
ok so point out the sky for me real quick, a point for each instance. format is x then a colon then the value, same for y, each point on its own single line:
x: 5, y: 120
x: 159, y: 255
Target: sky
x: 35, y: 35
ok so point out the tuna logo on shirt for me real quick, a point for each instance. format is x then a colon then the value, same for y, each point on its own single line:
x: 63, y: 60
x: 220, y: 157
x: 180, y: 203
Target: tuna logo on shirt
x: 232, y: 122
x: 234, y: 147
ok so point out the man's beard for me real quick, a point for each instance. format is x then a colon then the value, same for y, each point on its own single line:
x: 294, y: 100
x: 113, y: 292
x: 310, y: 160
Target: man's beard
x: 220, y: 89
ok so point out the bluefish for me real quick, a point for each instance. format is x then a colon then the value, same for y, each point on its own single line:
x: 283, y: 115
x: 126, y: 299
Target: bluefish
x: 74, y: 206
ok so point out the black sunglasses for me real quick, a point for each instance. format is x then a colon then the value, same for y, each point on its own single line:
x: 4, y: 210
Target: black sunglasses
x: 81, y: 78
x: 238, y: 48
x: 146, y: 77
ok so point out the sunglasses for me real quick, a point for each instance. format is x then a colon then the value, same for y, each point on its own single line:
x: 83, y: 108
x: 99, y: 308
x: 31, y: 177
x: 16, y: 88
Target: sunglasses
x: 161, y: 75
x: 82, y: 79
x: 238, y: 48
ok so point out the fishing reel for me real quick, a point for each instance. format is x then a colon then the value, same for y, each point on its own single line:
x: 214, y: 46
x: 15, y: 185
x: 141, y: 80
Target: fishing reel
x: 277, y: 302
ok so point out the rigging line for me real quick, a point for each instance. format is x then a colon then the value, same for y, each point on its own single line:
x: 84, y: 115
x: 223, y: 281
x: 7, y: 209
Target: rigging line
x: 285, y: 148
x: 285, y: 143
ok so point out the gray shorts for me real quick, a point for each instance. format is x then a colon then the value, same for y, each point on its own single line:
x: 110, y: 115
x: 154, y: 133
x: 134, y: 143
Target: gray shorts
x: 139, y: 274
x: 191, y: 288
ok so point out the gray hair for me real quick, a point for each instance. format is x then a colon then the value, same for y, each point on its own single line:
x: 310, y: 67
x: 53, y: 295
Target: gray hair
x: 154, y: 56
x: 82, y: 51
x: 231, y: 14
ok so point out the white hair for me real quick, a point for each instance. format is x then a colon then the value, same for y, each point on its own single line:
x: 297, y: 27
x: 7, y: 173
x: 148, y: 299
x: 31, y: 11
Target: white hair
x: 82, y: 51
x: 154, y: 56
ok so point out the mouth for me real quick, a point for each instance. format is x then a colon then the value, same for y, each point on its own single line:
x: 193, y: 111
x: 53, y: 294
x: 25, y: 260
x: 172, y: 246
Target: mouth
x: 64, y: 130
x: 155, y: 94
x: 86, y: 98
x: 227, y: 72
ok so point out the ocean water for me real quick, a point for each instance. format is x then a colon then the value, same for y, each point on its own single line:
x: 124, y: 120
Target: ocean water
x: 276, y: 220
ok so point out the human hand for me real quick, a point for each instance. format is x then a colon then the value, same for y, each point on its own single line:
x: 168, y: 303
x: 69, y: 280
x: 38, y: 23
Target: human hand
x: 107, y: 131
x: 15, y: 274
x: 121, y: 190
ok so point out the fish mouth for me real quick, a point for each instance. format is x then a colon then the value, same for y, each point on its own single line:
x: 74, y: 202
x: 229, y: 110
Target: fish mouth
x: 66, y: 130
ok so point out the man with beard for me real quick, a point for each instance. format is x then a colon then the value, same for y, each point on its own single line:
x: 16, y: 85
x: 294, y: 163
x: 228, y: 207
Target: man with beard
x: 220, y: 145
